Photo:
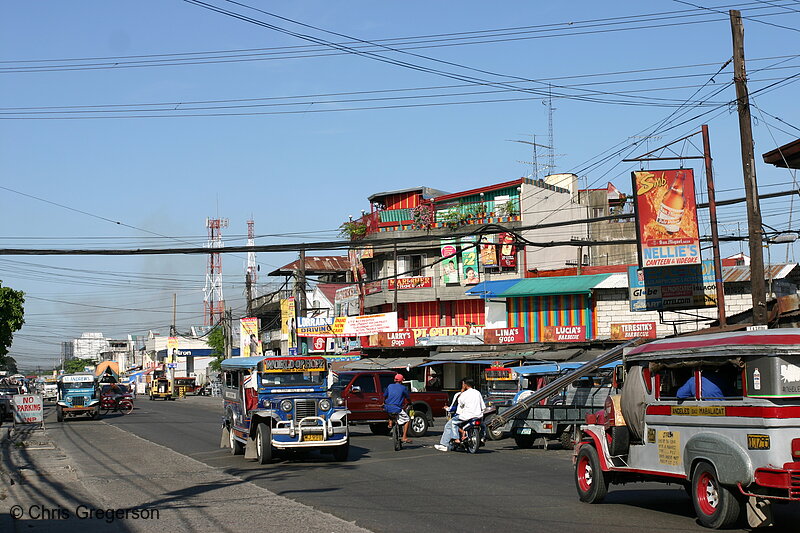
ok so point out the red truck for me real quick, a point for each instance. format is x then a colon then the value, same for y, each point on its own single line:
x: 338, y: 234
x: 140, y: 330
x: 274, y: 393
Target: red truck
x: 362, y: 392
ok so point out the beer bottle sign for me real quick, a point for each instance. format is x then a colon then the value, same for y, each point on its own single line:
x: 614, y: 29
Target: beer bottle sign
x: 670, y: 213
x: 666, y: 218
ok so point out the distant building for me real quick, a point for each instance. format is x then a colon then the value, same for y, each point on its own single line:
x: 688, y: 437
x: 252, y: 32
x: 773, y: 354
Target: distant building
x: 88, y: 346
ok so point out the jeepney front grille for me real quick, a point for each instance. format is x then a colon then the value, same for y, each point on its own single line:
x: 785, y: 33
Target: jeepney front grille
x: 794, y: 488
x: 304, y: 408
x: 78, y: 401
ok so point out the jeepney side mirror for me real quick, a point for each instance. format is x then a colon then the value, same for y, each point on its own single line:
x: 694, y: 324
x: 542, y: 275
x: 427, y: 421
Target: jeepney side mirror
x: 355, y: 388
x: 618, y: 377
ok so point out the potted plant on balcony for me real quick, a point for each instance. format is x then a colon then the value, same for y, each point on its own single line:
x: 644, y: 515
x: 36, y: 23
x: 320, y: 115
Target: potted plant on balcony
x: 423, y: 216
x: 452, y: 218
x: 508, y: 209
x: 354, y: 230
x: 476, y: 212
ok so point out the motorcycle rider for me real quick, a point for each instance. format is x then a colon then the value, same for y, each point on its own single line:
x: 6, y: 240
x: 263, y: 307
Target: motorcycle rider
x: 395, y: 398
x: 469, y: 404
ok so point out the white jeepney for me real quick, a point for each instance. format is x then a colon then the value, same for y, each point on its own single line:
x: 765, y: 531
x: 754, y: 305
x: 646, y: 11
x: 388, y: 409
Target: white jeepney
x: 718, y: 413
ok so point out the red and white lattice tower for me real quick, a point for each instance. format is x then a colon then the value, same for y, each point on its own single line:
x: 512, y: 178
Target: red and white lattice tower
x: 251, y: 257
x: 213, y: 301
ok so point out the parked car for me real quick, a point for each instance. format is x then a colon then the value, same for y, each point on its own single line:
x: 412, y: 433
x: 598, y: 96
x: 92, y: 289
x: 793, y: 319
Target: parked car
x: 362, y: 392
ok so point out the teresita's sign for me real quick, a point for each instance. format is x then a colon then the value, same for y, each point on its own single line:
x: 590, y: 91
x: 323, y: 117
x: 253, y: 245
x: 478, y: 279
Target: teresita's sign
x: 632, y: 330
x: 504, y: 336
x: 666, y: 218
x: 564, y: 334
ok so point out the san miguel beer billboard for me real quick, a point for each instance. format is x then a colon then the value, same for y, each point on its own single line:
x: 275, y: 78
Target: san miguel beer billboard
x: 666, y: 218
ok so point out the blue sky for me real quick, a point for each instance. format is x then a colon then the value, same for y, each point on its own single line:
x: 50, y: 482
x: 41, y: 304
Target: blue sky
x: 306, y: 171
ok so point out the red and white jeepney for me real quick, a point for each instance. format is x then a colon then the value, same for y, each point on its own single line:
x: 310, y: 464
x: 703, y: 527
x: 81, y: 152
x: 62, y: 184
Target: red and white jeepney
x: 734, y: 446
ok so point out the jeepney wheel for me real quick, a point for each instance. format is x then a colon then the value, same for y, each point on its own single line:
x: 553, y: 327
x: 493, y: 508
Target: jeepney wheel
x: 341, y: 452
x: 237, y: 448
x: 264, y: 450
x: 59, y: 414
x: 494, y: 434
x: 419, y: 424
x: 589, y: 478
x: 94, y: 415
x: 716, y: 506
x: 566, y: 438
x: 524, y: 441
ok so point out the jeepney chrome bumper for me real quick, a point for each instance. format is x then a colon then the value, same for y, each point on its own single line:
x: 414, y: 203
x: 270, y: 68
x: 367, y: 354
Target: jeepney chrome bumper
x: 311, y: 431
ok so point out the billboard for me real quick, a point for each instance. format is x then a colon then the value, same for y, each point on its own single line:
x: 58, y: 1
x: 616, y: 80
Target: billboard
x: 364, y: 325
x: 288, y: 323
x: 666, y: 218
x: 508, y: 252
x: 469, y: 260
x: 249, y: 346
x: 172, y: 348
x: 488, y: 251
x: 450, y: 262
x: 672, y: 288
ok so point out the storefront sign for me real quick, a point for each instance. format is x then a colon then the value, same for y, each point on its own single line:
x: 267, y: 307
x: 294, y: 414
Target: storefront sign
x: 28, y: 409
x: 373, y: 287
x: 247, y: 327
x: 288, y: 323
x: 504, y: 336
x: 419, y: 282
x: 402, y: 338
x: 666, y: 218
x: 448, y: 331
x: 564, y: 334
x: 314, y: 327
x: 672, y: 288
x: 631, y: 330
x: 364, y: 325
x: 318, y: 344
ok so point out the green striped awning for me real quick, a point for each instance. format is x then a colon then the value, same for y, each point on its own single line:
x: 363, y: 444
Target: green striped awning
x: 553, y: 286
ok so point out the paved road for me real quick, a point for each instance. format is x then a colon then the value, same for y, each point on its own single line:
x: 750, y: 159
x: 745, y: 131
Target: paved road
x: 420, y: 489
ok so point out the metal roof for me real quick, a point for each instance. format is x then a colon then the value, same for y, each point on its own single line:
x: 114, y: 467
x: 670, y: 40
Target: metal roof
x: 786, y: 156
x: 740, y: 274
x: 727, y: 344
x: 490, y: 289
x: 384, y: 364
x: 320, y: 264
x: 242, y: 362
x: 427, y: 192
x: 554, y: 286
x: 466, y: 361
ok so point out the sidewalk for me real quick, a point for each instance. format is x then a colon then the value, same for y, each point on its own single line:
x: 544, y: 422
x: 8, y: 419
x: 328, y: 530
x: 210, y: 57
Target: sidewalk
x: 99, y: 466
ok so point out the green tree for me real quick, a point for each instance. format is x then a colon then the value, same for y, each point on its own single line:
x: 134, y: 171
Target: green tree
x: 12, y: 314
x: 77, y: 365
x: 216, y: 339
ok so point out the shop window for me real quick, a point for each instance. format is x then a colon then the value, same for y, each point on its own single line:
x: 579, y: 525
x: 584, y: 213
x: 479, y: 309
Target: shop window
x: 411, y: 265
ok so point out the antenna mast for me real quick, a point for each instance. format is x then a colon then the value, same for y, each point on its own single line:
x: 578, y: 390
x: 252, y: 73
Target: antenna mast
x: 213, y: 301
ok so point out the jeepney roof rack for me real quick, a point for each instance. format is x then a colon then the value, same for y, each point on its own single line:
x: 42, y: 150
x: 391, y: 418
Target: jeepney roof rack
x: 729, y: 344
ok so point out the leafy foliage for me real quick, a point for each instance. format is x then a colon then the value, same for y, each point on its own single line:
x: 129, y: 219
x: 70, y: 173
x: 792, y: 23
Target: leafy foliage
x: 216, y: 339
x: 12, y: 314
x: 354, y: 230
x: 77, y: 365
x: 424, y: 216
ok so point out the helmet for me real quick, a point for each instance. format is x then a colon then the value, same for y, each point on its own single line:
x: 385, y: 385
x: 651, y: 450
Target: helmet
x: 399, y: 377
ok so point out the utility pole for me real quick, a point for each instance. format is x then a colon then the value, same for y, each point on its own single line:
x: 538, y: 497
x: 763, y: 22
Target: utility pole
x: 227, y: 325
x: 712, y: 214
x: 248, y: 286
x: 173, y: 328
x: 394, y: 303
x: 757, y: 283
x: 301, y: 284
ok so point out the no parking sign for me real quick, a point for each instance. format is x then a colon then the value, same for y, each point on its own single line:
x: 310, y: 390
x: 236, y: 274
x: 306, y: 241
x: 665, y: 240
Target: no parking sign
x: 28, y: 409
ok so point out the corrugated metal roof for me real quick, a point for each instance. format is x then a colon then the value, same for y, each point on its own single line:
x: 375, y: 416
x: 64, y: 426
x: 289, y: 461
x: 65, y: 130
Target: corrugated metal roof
x: 427, y: 192
x: 554, y: 286
x: 740, y: 274
x: 321, y: 264
x: 384, y: 364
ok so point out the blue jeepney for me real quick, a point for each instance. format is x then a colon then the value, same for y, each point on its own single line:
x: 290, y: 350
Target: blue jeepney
x: 281, y: 403
x: 77, y: 395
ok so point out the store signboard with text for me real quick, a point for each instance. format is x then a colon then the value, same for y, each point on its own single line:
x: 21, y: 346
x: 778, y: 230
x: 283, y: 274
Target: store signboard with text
x: 564, y: 334
x: 672, y: 288
x: 666, y: 218
x: 631, y: 330
x: 504, y: 336
x: 418, y: 282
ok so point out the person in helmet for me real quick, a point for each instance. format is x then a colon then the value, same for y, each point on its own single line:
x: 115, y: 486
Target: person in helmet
x: 395, y: 398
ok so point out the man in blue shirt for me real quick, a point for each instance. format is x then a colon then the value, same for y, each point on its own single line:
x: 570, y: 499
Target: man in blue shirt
x: 395, y: 397
x: 711, y: 384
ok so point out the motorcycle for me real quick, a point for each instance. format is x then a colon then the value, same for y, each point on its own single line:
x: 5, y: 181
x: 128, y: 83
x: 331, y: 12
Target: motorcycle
x: 123, y: 404
x: 475, y: 431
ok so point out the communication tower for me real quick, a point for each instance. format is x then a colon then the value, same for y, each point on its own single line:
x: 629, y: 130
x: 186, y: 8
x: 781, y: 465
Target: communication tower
x: 252, y: 269
x: 213, y: 301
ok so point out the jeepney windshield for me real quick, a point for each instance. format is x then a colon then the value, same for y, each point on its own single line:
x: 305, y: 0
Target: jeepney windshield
x: 503, y: 385
x: 308, y: 379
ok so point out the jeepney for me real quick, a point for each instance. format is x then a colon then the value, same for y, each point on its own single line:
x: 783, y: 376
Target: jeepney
x: 77, y: 395
x: 50, y: 389
x: 281, y: 403
x: 559, y: 416
x: 161, y: 386
x: 717, y: 413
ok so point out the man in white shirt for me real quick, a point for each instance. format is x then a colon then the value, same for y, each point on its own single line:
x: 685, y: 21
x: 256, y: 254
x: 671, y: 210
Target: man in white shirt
x: 468, y: 404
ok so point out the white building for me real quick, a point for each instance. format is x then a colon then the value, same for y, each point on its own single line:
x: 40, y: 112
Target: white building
x: 88, y: 346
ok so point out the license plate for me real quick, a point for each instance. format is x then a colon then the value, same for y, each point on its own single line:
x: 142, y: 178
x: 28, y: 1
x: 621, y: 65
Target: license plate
x: 312, y: 437
x: 525, y: 431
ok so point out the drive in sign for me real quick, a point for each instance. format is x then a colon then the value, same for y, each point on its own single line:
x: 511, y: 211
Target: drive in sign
x: 28, y: 409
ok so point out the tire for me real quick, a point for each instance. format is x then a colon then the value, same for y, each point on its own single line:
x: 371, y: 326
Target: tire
x: 237, y: 448
x: 380, y: 428
x: 340, y: 453
x: 493, y: 434
x: 589, y: 478
x: 264, y: 449
x: 419, y: 424
x: 396, y: 437
x: 566, y: 438
x: 126, y: 407
x: 716, y: 506
x: 59, y: 414
x: 151, y: 398
x: 524, y: 441
x: 620, y: 441
x: 94, y: 415
x: 473, y: 443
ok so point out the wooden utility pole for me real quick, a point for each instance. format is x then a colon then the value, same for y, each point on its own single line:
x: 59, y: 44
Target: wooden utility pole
x: 248, y: 287
x: 712, y: 215
x: 227, y: 324
x: 394, y: 303
x: 301, y: 284
x: 173, y: 328
x: 757, y: 283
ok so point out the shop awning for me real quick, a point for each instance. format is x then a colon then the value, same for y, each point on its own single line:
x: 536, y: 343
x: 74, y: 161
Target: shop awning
x: 554, y: 286
x: 384, y: 363
x: 491, y: 289
x: 468, y: 361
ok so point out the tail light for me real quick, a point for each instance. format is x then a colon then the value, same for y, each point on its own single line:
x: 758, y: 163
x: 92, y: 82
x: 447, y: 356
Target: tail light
x: 796, y: 449
x: 478, y: 423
